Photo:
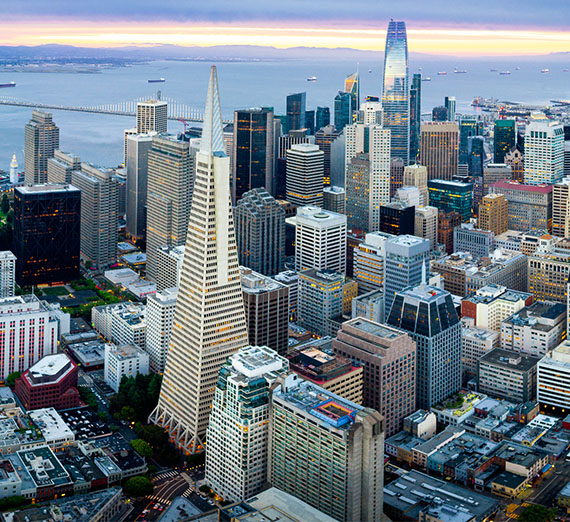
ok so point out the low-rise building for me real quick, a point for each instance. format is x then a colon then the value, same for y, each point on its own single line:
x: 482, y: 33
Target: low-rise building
x: 508, y: 375
x: 50, y: 383
x: 458, y: 408
x: 468, y: 238
x: 127, y: 360
x: 476, y: 342
x: 492, y: 304
x: 534, y: 330
x: 121, y: 276
x: 507, y: 484
x: 421, y: 423
x: 54, y: 429
x: 90, y: 355
x: 510, y: 241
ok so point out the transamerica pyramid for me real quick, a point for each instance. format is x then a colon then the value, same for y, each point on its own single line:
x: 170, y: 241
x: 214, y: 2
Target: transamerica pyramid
x: 209, y: 319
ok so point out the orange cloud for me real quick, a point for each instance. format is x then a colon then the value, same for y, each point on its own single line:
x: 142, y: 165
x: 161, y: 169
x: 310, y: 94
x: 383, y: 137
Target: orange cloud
x: 468, y: 41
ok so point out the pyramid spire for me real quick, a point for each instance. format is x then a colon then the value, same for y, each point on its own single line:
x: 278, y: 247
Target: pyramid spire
x: 213, y: 129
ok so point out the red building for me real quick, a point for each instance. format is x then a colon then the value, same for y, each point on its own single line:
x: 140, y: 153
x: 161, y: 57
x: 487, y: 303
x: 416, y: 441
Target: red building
x: 50, y: 383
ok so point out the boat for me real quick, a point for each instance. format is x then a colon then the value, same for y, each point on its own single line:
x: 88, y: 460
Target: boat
x: 426, y: 79
x: 442, y: 73
x: 517, y: 68
x: 461, y: 71
x: 545, y: 71
x: 158, y: 80
x: 11, y: 84
x: 312, y: 79
x: 564, y: 70
x: 505, y: 73
x: 369, y: 70
x: 493, y: 70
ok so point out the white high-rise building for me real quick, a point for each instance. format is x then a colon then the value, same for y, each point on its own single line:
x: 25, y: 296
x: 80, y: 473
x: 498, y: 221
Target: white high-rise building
x: 169, y: 266
x: 553, y: 379
x: 369, y: 259
x: 374, y: 140
x: 121, y: 323
x: 305, y: 174
x: 152, y: 115
x: 543, y: 152
x: 320, y: 240
x: 159, y: 320
x: 370, y: 113
x: 238, y: 431
x: 426, y: 224
x: 29, y: 330
x: 7, y: 273
x: 209, y: 319
x: 416, y: 176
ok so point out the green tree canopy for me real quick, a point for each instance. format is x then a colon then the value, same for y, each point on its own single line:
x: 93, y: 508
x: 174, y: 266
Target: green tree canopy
x: 537, y: 513
x: 142, y: 448
x: 12, y: 377
x: 5, y: 205
x: 139, y: 486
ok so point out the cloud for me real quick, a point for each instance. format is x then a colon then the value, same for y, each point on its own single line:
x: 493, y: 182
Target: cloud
x: 368, y: 13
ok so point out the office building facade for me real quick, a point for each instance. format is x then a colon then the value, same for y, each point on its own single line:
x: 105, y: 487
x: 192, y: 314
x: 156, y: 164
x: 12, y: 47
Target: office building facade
x: 47, y: 224
x: 260, y: 232
x: 504, y: 138
x: 305, y: 173
x: 426, y: 219
x: 493, y: 214
x: 439, y: 149
x: 296, y: 108
x: 41, y: 141
x: 451, y: 196
x: 60, y: 167
x: 544, y: 152
x: 159, y: 320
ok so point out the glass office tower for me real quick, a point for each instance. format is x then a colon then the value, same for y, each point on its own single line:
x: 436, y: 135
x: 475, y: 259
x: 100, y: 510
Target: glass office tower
x: 395, y: 91
x: 296, y: 104
x: 505, y: 138
x: 468, y: 127
x: 415, y: 117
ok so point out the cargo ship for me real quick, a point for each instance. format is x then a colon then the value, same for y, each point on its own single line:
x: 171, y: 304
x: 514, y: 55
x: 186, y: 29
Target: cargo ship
x: 159, y: 80
x: 312, y: 79
x: 11, y: 84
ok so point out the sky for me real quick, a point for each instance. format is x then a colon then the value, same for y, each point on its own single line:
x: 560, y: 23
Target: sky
x: 458, y: 27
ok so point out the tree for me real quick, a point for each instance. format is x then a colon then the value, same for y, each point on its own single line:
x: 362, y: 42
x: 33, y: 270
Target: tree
x: 139, y: 486
x: 537, y: 513
x: 142, y: 448
x: 5, y: 205
x: 205, y: 489
x: 11, y: 379
x: 10, y: 217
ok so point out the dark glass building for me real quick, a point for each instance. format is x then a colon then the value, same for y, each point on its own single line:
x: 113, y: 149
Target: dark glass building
x: 253, y: 151
x: 310, y: 122
x: 342, y: 110
x: 468, y: 127
x: 476, y: 152
x: 451, y: 196
x: 323, y: 117
x: 427, y: 313
x: 46, y: 233
x: 415, y: 117
x: 439, y: 113
x: 505, y: 138
x: 296, y: 108
x: 397, y: 218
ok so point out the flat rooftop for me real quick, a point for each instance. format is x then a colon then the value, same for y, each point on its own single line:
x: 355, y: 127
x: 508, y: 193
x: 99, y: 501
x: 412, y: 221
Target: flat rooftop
x: 511, y: 360
x: 255, y: 361
x: 51, y: 424
x: 47, y: 187
x: 376, y: 329
x: 49, y: 365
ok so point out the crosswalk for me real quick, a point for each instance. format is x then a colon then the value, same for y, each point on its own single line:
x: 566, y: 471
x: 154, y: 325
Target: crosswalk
x: 166, y: 474
x: 187, y: 493
x: 159, y: 499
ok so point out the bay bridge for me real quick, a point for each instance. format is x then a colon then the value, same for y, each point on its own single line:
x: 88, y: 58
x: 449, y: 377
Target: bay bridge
x: 176, y: 110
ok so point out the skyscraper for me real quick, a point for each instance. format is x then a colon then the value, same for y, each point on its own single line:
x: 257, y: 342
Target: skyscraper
x: 322, y: 117
x: 439, y: 142
x: 260, y: 232
x: 476, y: 155
x: 46, y: 233
x: 426, y: 224
x: 505, y: 138
x: 253, y: 151
x: 324, y: 138
x: 152, y: 116
x: 544, y: 152
x: 138, y: 147
x: 405, y: 256
x: 296, y: 106
x: 7, y: 274
x: 238, y: 431
x: 342, y: 110
x: 170, y: 185
x: 305, y: 173
x: 429, y: 314
x: 99, y: 214
x: 60, y: 167
x: 439, y: 113
x: 266, y: 303
x: 352, y: 86
x: 41, y: 140
x: 451, y: 196
x: 320, y: 240
x: 415, y: 116
x: 416, y: 176
x: 468, y: 126
x: 450, y: 104
x: 159, y: 316
x: 209, y: 320
x: 494, y: 213
x: 367, y: 143
x: 395, y: 90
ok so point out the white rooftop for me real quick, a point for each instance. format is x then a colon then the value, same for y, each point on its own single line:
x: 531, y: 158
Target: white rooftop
x: 50, y: 365
x: 50, y: 423
x: 254, y: 361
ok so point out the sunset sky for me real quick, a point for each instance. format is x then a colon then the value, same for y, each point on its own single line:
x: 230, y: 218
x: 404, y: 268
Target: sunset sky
x: 481, y: 27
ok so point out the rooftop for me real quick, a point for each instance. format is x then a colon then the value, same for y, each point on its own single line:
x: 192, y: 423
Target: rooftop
x: 50, y: 365
x: 511, y: 360
x: 538, y: 315
x: 47, y: 187
x: 51, y: 424
x: 515, y: 185
x: 379, y: 330
x: 255, y: 361
x: 256, y: 283
x: 125, y: 352
x: 44, y: 468
x: 509, y: 480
